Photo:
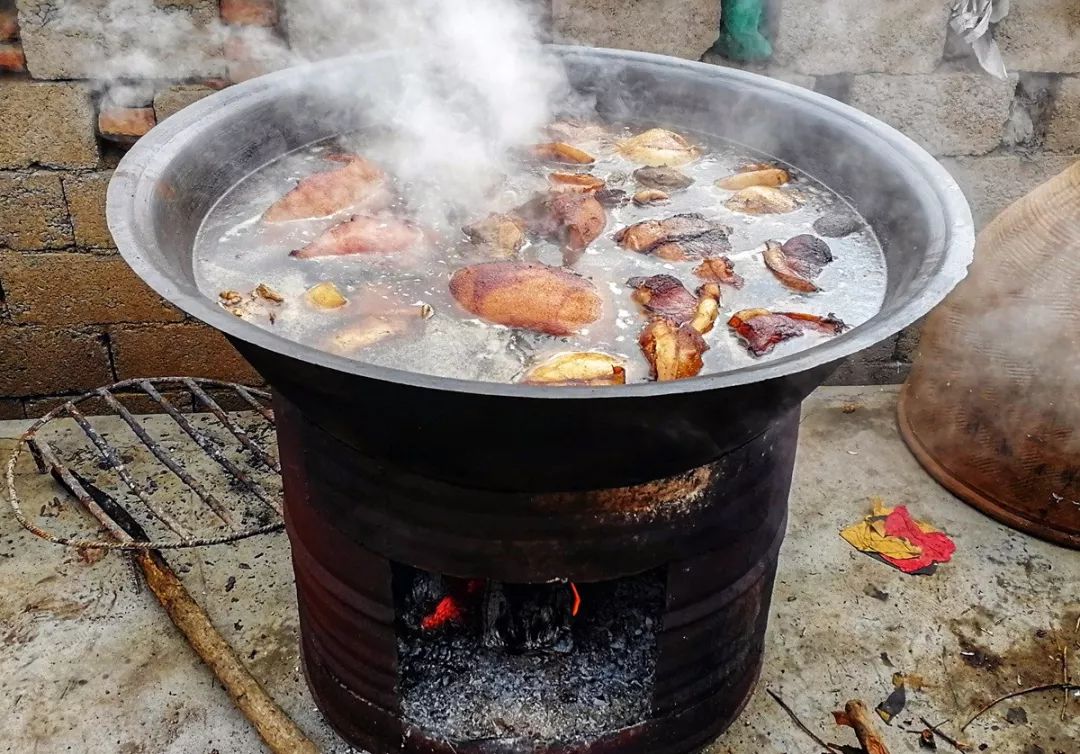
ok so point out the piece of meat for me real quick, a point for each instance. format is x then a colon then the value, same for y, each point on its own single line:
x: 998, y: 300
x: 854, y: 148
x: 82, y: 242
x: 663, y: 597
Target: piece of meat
x: 668, y: 179
x: 646, y: 235
x: 664, y: 295
x: 585, y: 183
x: 837, y: 224
x: 325, y: 295
x: 798, y: 261
x: 580, y: 217
x: 650, y: 196
x: 364, y: 234
x: 358, y: 184
x: 673, y: 351
x: 576, y: 130
x: 562, y: 152
x: 612, y: 197
x: 587, y: 368
x: 720, y: 270
x: 368, y: 331
x: 762, y: 200
x: 531, y: 296
x: 761, y: 329
x: 758, y: 175
x: 708, y: 308
x: 503, y: 234
x: 658, y: 148
x: 682, y: 248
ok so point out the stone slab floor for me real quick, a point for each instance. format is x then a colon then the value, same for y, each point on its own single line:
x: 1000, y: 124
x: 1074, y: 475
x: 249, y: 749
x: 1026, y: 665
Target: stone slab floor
x: 90, y: 663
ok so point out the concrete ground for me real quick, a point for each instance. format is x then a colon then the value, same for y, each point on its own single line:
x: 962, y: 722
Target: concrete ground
x: 89, y: 662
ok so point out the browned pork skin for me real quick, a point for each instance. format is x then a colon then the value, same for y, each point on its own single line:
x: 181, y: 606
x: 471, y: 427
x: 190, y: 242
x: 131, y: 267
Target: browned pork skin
x: 358, y: 184
x: 645, y: 236
x: 761, y: 329
x: 581, y: 218
x: 664, y: 295
x: 719, y: 270
x: 364, y: 234
x: 531, y: 296
x: 798, y: 261
x: 673, y: 351
x: 585, y: 183
x: 501, y: 233
x: 562, y: 152
x: 668, y: 179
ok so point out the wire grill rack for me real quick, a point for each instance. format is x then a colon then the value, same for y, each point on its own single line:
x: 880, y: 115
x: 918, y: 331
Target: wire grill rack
x: 246, y: 502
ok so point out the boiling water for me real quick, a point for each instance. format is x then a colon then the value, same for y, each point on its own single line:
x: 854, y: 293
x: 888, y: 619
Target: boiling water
x: 236, y: 250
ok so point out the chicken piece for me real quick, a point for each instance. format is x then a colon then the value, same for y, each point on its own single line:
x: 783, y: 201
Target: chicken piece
x: 761, y: 329
x: 650, y: 196
x: 720, y: 270
x: 682, y: 248
x: 762, y: 200
x: 531, y: 296
x: 668, y: 179
x: 646, y: 235
x: 364, y: 234
x: 708, y: 308
x: 580, y: 218
x: 798, y: 261
x: 263, y: 291
x: 674, y: 351
x: 588, y: 368
x: 359, y: 184
x: 562, y: 152
x: 503, y: 234
x: 325, y: 295
x: 658, y: 148
x: 585, y: 183
x: 757, y: 175
x: 664, y: 295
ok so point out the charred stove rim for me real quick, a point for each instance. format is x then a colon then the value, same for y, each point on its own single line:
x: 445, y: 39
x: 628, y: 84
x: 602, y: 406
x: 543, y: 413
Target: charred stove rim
x: 134, y: 181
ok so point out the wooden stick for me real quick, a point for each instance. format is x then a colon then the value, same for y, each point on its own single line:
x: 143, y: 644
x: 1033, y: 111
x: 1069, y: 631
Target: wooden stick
x: 857, y: 716
x: 955, y: 743
x: 275, y: 727
x: 1021, y: 692
x: 825, y: 745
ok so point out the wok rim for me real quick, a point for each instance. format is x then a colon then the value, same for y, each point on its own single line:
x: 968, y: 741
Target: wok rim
x: 133, y: 182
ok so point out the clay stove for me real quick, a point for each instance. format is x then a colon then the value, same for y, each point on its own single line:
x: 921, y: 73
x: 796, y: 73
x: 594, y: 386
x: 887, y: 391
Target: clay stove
x: 440, y: 618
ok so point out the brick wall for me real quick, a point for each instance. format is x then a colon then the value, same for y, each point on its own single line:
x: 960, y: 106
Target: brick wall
x: 73, y: 317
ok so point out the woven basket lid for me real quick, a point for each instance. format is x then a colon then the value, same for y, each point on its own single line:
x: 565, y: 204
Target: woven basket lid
x: 992, y: 406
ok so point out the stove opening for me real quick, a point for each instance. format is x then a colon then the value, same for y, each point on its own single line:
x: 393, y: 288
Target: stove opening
x: 484, y: 659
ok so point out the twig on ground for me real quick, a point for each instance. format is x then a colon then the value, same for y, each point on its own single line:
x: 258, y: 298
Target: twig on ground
x: 828, y: 747
x: 1065, y: 678
x: 955, y: 743
x: 1034, y: 689
x: 857, y: 717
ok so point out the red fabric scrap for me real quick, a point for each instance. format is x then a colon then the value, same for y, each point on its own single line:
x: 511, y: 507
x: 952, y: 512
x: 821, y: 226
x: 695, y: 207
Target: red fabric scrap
x: 936, y: 546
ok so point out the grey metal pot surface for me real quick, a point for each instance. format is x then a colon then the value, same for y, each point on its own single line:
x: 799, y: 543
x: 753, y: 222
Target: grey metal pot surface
x: 165, y: 185
x: 490, y: 434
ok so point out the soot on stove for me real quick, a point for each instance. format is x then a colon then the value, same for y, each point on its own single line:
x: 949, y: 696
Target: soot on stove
x: 560, y: 661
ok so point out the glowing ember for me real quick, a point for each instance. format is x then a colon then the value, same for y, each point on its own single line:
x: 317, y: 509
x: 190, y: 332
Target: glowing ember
x: 452, y: 607
x: 577, y: 600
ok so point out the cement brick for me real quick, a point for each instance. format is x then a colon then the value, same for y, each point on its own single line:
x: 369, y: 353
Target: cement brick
x: 174, y: 99
x: 948, y: 113
x: 685, y: 28
x: 763, y: 69
x: 1063, y: 121
x: 249, y: 12
x: 85, y: 193
x: 1041, y: 36
x: 125, y: 124
x: 40, y: 361
x: 821, y: 37
x: 110, y: 39
x: 135, y: 402
x: 186, y: 348
x: 32, y: 212
x: 993, y: 182
x: 315, y: 31
x: 46, y: 124
x: 78, y: 289
x: 12, y: 58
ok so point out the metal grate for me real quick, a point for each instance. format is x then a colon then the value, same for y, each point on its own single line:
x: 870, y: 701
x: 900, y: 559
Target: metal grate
x: 208, y: 519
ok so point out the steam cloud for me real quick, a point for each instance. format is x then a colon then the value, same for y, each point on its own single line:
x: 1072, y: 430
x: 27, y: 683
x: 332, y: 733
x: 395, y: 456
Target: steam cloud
x: 475, y: 82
